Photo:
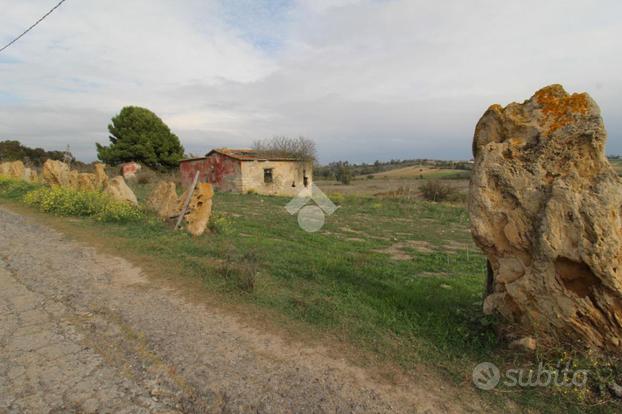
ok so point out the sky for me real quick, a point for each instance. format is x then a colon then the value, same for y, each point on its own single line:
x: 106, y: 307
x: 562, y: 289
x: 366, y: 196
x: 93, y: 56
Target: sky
x: 365, y: 79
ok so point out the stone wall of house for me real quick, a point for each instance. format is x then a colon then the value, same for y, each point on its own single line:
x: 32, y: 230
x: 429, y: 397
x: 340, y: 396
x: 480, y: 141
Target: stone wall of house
x: 288, y: 178
x: 223, y: 172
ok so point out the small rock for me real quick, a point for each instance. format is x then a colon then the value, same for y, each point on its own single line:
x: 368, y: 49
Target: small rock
x: 525, y: 344
x: 615, y: 389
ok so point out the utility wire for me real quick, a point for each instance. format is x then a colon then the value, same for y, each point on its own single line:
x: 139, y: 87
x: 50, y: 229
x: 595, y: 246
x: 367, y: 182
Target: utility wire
x: 33, y: 26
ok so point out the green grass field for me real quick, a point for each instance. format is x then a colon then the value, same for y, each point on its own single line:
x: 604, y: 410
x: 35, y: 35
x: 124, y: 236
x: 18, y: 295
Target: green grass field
x: 399, y: 280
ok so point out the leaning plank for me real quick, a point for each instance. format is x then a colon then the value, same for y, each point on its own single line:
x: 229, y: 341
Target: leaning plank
x: 187, y: 201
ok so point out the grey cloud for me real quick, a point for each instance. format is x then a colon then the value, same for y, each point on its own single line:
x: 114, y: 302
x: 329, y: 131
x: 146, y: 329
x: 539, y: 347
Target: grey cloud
x: 366, y: 79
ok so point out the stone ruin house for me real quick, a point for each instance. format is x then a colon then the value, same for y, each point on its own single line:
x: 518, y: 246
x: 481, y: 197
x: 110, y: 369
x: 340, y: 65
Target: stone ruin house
x: 244, y: 171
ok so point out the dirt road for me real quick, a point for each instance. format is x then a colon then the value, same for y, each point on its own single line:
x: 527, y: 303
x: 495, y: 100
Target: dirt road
x: 85, y: 332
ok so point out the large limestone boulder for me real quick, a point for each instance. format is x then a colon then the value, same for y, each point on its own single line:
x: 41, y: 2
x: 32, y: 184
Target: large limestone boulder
x: 101, y: 176
x: 16, y: 170
x: 118, y: 189
x: 200, y: 209
x: 73, y: 180
x: 545, y: 207
x: 56, y: 173
x: 87, y: 182
x: 163, y: 199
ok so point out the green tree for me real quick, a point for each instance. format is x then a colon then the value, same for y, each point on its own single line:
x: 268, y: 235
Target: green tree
x: 137, y: 134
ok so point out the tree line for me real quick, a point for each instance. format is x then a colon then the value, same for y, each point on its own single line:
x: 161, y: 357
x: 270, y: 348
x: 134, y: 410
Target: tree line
x: 11, y: 150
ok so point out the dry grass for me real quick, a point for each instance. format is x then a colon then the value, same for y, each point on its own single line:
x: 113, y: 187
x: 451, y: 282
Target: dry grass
x: 403, y: 188
x: 417, y: 171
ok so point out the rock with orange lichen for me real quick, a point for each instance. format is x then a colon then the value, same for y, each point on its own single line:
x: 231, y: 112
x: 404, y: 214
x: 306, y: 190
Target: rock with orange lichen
x: 545, y: 207
x: 200, y: 209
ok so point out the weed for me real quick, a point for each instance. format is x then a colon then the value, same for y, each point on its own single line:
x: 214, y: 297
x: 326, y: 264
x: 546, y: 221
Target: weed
x: 240, y: 270
x: 220, y: 224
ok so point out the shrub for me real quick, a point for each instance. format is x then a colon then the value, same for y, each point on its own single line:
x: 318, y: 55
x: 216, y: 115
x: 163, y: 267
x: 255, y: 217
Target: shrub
x: 144, y: 179
x: 219, y: 224
x: 146, y: 176
x: 240, y: 269
x: 68, y: 202
x: 436, y: 190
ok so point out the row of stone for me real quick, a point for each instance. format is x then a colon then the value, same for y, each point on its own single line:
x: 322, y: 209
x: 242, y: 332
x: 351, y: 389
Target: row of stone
x: 58, y: 174
x: 18, y: 171
x: 163, y: 199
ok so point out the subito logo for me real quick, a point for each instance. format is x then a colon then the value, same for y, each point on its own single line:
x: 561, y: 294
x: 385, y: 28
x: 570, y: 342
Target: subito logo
x: 486, y: 376
x: 311, y: 217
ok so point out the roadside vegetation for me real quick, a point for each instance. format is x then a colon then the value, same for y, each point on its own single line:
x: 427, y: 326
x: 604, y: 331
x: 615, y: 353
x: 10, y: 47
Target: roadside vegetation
x: 397, y: 278
x: 67, y: 202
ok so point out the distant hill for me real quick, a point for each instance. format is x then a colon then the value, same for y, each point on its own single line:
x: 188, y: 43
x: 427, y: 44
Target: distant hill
x: 422, y: 171
x: 419, y: 168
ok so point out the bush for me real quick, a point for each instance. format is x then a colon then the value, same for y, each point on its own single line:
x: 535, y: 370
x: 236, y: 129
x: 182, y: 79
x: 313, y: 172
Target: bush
x: 240, y: 269
x: 68, y: 202
x: 436, y: 190
x: 344, y: 173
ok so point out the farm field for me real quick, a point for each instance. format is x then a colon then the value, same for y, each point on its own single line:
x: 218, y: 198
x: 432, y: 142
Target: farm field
x: 384, y: 186
x: 421, y: 172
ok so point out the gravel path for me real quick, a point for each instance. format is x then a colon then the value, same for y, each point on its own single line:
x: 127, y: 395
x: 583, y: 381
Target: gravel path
x: 82, y: 332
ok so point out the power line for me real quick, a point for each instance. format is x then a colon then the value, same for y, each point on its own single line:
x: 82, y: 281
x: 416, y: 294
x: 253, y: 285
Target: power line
x: 33, y: 26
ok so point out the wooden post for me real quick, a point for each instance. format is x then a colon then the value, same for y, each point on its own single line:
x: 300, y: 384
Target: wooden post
x: 187, y: 201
